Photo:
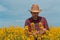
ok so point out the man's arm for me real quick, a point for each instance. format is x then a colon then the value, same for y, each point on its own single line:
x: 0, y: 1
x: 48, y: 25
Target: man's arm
x: 27, y: 22
x: 44, y: 21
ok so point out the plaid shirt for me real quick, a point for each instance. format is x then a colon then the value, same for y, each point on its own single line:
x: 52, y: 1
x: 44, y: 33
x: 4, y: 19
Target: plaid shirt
x: 39, y: 19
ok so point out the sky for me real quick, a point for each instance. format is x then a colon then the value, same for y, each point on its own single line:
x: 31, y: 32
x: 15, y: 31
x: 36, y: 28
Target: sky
x: 15, y: 12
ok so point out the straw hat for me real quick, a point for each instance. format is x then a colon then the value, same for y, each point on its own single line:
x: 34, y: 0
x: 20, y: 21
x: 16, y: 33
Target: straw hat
x: 35, y: 8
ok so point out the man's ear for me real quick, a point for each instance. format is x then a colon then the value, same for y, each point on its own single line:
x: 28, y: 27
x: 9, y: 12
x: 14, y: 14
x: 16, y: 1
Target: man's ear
x: 31, y: 12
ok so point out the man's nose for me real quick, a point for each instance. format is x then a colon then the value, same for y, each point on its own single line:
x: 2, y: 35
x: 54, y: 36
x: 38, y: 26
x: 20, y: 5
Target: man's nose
x: 36, y: 14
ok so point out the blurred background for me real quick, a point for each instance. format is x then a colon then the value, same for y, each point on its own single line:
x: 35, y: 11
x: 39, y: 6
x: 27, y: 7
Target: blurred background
x: 15, y: 12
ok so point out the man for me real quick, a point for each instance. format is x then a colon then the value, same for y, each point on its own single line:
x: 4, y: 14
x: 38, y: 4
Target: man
x: 35, y: 18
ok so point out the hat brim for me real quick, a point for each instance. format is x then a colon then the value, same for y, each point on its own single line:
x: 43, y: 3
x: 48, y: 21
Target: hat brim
x: 35, y: 10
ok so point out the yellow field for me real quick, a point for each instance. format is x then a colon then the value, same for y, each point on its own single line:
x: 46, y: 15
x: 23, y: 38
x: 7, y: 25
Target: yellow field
x: 18, y: 33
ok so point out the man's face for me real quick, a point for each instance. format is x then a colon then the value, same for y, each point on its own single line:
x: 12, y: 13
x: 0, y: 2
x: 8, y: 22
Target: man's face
x: 34, y: 14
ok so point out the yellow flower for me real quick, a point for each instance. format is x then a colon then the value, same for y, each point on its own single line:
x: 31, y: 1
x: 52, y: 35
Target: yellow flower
x: 42, y: 27
x: 40, y: 24
x: 32, y: 24
x: 28, y: 38
x: 26, y: 27
x: 44, y: 36
x: 38, y: 38
x: 31, y: 37
x: 47, y: 32
x: 29, y: 33
x: 17, y: 32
